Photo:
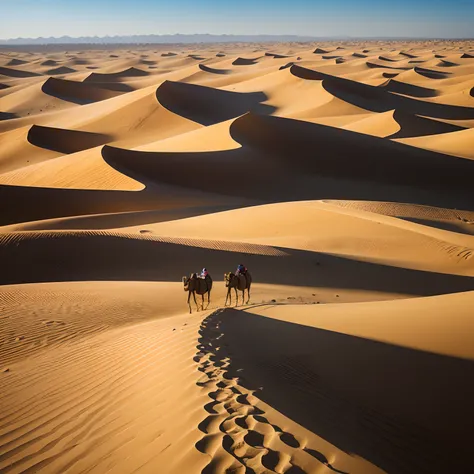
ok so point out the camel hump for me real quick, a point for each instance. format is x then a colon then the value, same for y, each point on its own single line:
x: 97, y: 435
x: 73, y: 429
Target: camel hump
x: 244, y: 281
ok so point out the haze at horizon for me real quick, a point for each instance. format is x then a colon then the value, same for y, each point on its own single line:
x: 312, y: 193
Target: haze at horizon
x: 419, y: 18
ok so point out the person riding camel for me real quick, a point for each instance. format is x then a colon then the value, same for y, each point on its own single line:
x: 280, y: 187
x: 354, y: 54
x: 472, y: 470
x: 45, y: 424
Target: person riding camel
x: 241, y: 270
x: 204, y: 273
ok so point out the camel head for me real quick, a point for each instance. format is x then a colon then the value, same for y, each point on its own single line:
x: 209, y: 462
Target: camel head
x: 189, y: 282
x: 228, y: 278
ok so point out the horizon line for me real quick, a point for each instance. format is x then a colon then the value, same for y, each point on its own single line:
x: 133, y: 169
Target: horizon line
x: 305, y: 38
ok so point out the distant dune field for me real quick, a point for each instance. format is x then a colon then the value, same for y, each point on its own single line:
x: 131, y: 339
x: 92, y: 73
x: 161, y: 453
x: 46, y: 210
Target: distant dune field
x: 340, y: 174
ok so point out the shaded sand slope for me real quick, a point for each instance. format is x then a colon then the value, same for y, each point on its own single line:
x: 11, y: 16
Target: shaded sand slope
x: 295, y: 148
x: 61, y: 202
x: 206, y: 105
x: 121, y: 255
x: 312, y: 365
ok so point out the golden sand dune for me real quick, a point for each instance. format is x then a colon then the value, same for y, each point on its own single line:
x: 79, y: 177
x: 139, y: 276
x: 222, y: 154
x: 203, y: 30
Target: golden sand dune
x: 339, y: 174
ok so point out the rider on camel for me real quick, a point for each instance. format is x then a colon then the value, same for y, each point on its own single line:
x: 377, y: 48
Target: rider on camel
x: 241, y: 270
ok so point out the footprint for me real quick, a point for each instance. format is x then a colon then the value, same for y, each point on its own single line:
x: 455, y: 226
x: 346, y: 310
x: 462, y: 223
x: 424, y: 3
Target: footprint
x: 53, y: 322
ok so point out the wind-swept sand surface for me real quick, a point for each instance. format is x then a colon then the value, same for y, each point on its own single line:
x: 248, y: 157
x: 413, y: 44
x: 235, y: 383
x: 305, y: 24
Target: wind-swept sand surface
x: 340, y: 174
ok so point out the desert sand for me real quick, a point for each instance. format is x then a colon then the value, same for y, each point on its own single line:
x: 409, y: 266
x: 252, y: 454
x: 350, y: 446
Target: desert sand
x: 340, y: 174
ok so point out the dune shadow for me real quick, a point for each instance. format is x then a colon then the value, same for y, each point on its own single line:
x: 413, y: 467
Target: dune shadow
x: 16, y: 62
x: 373, y: 65
x: 79, y: 93
x: 97, y: 255
x: 402, y: 409
x: 431, y: 74
x: 62, y: 202
x: 17, y: 73
x: 213, y: 70
x: 60, y: 70
x: 378, y: 99
x: 415, y: 126
x: 294, y: 160
x: 409, y: 89
x: 7, y: 116
x: 64, y: 140
x: 245, y: 61
x: 131, y: 72
x: 207, y: 105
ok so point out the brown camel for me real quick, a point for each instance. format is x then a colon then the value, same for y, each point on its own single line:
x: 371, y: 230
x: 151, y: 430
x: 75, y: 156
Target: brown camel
x: 193, y: 284
x: 238, y: 282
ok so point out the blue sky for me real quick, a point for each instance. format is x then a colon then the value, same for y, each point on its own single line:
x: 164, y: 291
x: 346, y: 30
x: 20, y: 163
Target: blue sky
x: 439, y: 18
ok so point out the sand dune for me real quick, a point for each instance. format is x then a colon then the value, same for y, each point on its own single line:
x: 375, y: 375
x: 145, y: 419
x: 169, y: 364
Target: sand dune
x: 206, y: 105
x: 397, y: 124
x: 16, y: 62
x: 130, y: 72
x: 60, y: 71
x: 17, y: 151
x: 10, y: 72
x: 77, y: 92
x: 457, y: 143
x: 339, y: 173
x: 64, y: 141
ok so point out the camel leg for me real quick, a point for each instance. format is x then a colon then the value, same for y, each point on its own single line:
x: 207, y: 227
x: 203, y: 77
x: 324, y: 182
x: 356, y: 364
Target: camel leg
x: 189, y: 304
x: 208, y: 298
x: 227, y: 297
x: 248, y: 291
x: 202, y: 305
x: 195, y: 302
x: 236, y: 297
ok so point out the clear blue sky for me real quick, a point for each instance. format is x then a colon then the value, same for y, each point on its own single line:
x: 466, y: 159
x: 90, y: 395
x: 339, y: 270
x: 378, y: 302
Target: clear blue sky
x: 439, y: 18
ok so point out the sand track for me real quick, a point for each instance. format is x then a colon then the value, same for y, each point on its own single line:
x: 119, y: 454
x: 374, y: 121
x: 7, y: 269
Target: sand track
x: 340, y: 174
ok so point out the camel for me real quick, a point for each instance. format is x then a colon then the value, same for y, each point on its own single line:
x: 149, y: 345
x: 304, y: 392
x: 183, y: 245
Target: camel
x: 193, y: 284
x: 238, y: 282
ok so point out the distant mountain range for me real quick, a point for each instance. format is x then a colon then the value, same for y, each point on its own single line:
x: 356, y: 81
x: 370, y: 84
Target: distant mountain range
x: 167, y: 39
x: 196, y: 38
